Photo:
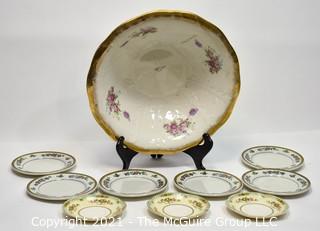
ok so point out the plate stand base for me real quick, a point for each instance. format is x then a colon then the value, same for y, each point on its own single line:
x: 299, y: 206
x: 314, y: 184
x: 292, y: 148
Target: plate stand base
x: 197, y: 152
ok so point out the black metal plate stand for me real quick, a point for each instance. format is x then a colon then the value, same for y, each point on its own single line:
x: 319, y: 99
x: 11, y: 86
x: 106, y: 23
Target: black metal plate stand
x: 197, y: 152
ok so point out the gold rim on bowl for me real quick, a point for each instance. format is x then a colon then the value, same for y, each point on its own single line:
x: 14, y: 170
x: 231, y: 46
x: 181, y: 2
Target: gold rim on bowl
x: 104, y: 46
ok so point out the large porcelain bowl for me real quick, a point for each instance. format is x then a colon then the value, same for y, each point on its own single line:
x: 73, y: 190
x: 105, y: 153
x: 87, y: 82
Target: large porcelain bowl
x: 163, y: 79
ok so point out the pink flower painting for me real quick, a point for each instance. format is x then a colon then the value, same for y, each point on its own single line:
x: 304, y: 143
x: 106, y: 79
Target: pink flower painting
x: 180, y: 126
x: 113, y: 104
x: 213, y: 61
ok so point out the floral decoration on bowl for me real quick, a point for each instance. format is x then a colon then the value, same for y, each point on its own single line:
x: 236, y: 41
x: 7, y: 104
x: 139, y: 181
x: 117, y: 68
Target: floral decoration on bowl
x: 162, y: 80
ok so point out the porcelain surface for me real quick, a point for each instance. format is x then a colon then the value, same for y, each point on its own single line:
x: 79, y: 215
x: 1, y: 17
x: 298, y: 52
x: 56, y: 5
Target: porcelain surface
x: 257, y: 205
x: 276, y: 182
x: 94, y: 207
x: 61, y: 186
x: 208, y: 183
x: 161, y: 87
x: 272, y: 157
x: 133, y: 183
x: 178, y: 206
x: 43, y: 163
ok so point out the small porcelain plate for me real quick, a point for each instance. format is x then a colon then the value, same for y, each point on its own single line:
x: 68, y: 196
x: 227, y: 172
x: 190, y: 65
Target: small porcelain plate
x: 257, y: 205
x: 94, y: 207
x: 209, y: 183
x: 162, y: 80
x: 133, y: 183
x: 276, y: 182
x: 61, y: 186
x: 178, y: 206
x: 43, y: 163
x: 272, y: 157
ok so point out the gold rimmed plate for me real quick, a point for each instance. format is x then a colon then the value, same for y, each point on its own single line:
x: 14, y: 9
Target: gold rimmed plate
x: 62, y: 186
x: 43, y: 163
x: 133, y: 183
x: 257, y: 205
x: 180, y: 206
x: 272, y: 157
x: 276, y: 182
x: 94, y: 208
x: 208, y: 183
x: 163, y: 88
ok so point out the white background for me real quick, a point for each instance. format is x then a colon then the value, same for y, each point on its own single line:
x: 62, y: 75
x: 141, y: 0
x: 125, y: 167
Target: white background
x: 46, y: 48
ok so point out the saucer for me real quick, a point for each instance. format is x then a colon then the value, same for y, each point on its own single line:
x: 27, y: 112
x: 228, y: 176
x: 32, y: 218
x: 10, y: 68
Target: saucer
x: 94, y: 207
x: 180, y: 206
x: 208, y: 183
x: 43, y: 163
x: 163, y: 88
x: 62, y: 186
x: 257, y: 205
x: 276, y: 181
x: 133, y: 183
x: 272, y: 157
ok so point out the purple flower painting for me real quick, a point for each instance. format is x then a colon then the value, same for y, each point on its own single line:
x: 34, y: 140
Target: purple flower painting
x: 213, y: 61
x: 198, y: 43
x: 180, y: 126
x: 144, y: 31
x: 141, y: 33
x: 126, y: 115
x: 193, y: 111
x: 113, y: 104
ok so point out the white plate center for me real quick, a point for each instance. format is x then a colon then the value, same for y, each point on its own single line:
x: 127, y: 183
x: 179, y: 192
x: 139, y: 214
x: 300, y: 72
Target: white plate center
x: 94, y: 212
x: 256, y: 210
x: 178, y: 210
x: 207, y: 185
x: 43, y: 165
x: 133, y: 185
x: 272, y: 160
x: 276, y: 184
x: 61, y: 188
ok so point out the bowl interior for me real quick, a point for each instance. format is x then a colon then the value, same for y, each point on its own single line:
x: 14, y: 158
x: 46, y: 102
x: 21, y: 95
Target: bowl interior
x: 162, y: 80
x: 178, y: 205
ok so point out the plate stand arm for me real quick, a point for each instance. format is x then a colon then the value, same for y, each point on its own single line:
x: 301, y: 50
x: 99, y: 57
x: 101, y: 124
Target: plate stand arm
x: 156, y: 156
x: 199, y: 151
x: 126, y: 154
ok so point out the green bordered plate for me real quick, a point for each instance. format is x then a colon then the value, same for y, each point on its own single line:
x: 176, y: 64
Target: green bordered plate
x: 180, y: 206
x: 62, y: 186
x: 257, y: 205
x: 276, y: 181
x: 208, y: 183
x: 43, y: 163
x: 133, y: 183
x: 272, y: 157
x: 94, y: 208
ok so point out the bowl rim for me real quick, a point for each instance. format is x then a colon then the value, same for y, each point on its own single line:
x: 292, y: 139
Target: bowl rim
x: 95, y: 63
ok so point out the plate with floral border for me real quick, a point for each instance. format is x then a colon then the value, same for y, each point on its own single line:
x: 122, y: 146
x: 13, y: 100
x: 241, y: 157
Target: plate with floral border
x: 62, y: 186
x: 181, y: 206
x: 163, y: 88
x: 208, y: 183
x: 276, y: 181
x: 43, y: 163
x: 133, y: 183
x: 94, y: 208
x: 257, y: 205
x: 272, y: 157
